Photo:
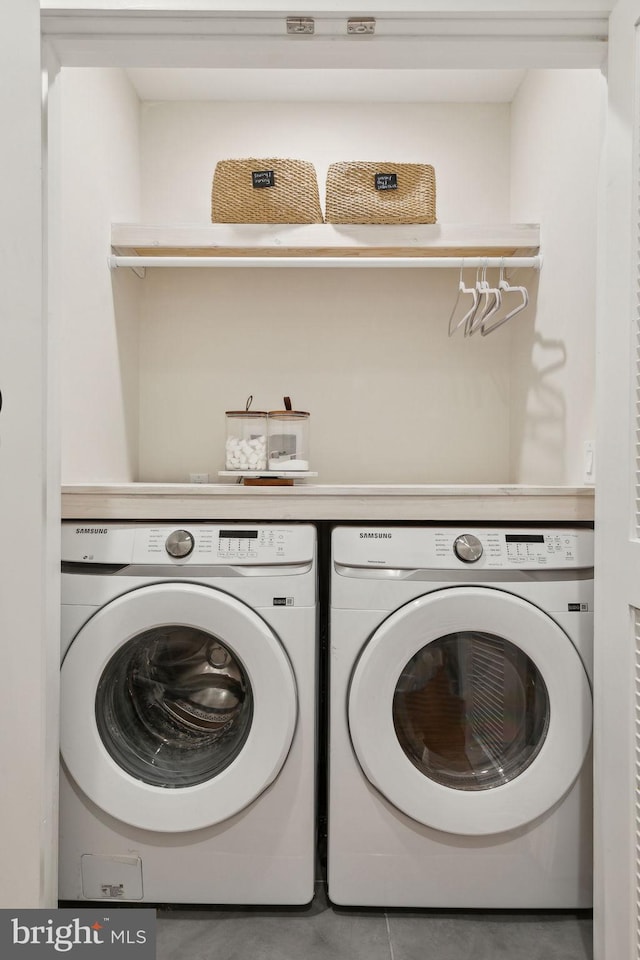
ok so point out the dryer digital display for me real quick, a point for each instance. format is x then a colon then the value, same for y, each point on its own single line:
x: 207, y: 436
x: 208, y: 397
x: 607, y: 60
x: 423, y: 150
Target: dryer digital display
x: 524, y: 538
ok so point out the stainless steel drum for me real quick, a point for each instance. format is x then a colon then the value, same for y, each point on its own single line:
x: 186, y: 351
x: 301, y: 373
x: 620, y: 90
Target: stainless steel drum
x: 174, y: 706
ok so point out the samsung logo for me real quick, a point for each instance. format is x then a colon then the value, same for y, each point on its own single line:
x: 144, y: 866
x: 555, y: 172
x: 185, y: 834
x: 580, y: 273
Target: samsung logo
x: 376, y: 536
x: 91, y: 529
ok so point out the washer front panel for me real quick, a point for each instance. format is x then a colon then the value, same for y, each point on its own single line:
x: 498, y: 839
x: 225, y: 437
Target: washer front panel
x: 264, y: 748
x: 562, y: 745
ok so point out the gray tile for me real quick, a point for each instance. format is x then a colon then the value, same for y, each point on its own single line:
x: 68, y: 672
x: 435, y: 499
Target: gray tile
x: 458, y: 935
x: 324, y: 932
x: 317, y: 932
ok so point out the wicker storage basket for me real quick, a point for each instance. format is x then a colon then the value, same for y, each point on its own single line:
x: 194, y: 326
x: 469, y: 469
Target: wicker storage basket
x: 364, y: 192
x: 265, y: 191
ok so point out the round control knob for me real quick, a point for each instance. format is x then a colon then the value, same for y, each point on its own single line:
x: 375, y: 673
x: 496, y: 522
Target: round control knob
x: 180, y: 543
x: 467, y: 548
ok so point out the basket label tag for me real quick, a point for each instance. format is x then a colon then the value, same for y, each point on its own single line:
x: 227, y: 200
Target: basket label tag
x: 263, y: 178
x: 386, y: 181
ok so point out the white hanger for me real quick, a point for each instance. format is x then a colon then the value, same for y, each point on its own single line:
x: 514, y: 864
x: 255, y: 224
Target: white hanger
x: 506, y: 288
x: 492, y: 302
x: 474, y: 305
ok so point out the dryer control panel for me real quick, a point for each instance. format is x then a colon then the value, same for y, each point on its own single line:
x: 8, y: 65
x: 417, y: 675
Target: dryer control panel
x: 451, y: 548
x: 541, y: 548
x: 514, y: 549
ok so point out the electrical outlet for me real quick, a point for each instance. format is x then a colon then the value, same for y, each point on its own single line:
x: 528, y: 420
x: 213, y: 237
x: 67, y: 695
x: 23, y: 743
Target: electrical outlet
x: 198, y: 478
x: 589, y: 463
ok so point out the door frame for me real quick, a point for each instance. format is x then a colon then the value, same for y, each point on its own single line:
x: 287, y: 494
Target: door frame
x: 617, y: 561
x: 41, y: 469
x: 29, y: 486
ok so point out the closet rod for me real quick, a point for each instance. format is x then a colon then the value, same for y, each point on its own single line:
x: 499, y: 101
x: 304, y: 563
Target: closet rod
x: 535, y: 262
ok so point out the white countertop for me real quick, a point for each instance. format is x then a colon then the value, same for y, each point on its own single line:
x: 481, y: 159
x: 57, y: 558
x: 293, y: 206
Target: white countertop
x: 312, y: 501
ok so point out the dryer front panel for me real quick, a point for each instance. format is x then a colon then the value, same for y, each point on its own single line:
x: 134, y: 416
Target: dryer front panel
x: 470, y: 711
x: 179, y: 707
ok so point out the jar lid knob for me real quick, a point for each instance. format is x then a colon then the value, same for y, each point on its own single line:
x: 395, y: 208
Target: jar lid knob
x: 249, y: 402
x: 287, y: 403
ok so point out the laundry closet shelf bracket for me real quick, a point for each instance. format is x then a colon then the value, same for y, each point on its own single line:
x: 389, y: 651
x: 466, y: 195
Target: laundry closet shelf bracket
x: 137, y: 267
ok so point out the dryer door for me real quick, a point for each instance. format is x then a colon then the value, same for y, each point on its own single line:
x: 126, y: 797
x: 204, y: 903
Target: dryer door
x: 178, y: 707
x: 470, y: 710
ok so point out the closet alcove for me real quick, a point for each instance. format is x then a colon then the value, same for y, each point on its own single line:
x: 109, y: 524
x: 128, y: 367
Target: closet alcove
x: 393, y: 398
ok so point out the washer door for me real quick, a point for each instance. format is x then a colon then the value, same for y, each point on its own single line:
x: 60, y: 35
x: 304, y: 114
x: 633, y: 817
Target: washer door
x: 470, y: 711
x: 179, y: 707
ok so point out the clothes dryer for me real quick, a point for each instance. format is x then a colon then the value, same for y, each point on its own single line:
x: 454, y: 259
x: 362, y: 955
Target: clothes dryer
x: 188, y: 713
x: 460, y: 717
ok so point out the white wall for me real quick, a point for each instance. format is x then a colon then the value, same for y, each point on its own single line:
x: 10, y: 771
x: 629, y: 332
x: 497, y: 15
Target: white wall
x: 391, y: 398
x: 557, y: 125
x: 366, y: 352
x: 99, y: 148
x: 181, y: 143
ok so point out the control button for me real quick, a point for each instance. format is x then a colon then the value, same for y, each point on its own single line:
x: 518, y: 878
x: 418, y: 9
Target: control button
x: 180, y: 543
x: 467, y: 548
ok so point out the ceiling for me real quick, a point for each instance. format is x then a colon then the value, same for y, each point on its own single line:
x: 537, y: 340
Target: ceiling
x: 389, y: 86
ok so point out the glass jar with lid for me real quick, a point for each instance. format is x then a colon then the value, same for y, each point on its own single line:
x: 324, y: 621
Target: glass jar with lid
x: 288, y: 439
x: 246, y: 442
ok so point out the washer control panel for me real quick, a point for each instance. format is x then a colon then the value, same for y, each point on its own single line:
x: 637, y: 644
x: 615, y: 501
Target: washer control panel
x: 451, y: 548
x: 250, y: 544
x: 228, y: 544
x: 204, y: 543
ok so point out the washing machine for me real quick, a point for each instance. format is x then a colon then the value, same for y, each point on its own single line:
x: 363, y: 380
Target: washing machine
x: 460, y: 717
x: 188, y: 713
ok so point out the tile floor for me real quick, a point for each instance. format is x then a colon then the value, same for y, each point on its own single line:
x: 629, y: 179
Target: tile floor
x: 323, y: 932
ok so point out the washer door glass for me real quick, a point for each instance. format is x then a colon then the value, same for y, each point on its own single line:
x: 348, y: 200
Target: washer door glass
x: 174, y: 706
x: 178, y: 707
x: 471, y: 710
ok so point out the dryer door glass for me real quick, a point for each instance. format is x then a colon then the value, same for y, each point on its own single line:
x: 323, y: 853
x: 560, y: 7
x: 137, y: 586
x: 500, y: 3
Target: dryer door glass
x: 174, y: 706
x: 471, y: 710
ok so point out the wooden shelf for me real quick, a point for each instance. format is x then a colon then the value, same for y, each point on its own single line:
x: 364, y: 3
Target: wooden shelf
x: 318, y: 241
x: 477, y: 503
